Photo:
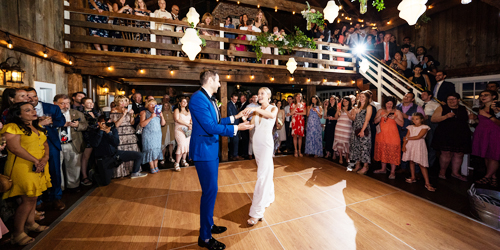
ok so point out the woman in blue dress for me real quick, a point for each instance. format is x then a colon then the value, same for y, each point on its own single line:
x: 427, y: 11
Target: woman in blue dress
x: 151, y: 123
x: 314, y: 143
x: 99, y: 5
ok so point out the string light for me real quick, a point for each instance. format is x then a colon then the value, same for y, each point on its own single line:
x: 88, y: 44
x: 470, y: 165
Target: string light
x: 353, y: 82
x: 324, y: 79
x: 292, y: 78
x: 338, y: 20
x: 308, y: 79
x: 293, y: 12
x: 9, y: 44
x: 171, y: 71
x: 340, y: 7
x: 45, y: 53
x: 228, y: 76
x: 252, y: 77
x: 272, y: 78
x: 238, y: 2
x: 258, y: 5
x: 142, y: 71
x: 70, y: 61
x: 342, y: 14
x: 275, y: 8
x: 111, y: 68
x: 389, y: 22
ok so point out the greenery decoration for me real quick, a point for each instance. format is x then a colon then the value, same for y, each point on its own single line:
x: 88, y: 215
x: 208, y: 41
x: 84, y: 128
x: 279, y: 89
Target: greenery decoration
x: 379, y: 4
x: 422, y: 19
x: 203, y: 41
x: 313, y: 16
x: 284, y: 43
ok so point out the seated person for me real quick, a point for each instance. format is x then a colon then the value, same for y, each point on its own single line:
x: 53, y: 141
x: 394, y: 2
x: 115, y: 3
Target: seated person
x: 105, y: 141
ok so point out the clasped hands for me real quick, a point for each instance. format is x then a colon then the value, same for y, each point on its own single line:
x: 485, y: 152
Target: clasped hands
x: 40, y: 164
x: 244, y: 114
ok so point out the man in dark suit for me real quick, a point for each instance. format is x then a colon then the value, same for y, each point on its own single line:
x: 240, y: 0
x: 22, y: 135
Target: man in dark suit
x: 137, y: 106
x: 232, y: 110
x: 385, y: 51
x: 244, y: 135
x: 442, y: 88
x: 52, y: 123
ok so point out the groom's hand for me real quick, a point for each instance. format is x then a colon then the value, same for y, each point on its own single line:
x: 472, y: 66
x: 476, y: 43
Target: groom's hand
x: 244, y: 126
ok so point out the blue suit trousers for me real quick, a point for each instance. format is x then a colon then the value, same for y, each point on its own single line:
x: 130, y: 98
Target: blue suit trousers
x: 208, y: 173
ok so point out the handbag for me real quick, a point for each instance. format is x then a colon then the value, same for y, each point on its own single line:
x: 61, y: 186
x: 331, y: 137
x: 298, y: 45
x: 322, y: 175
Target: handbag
x: 187, y: 132
x: 6, y: 181
x: 357, y: 131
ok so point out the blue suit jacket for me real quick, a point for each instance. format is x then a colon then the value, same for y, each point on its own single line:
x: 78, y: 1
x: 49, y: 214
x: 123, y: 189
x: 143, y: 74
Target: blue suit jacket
x: 58, y: 120
x: 204, y: 144
x: 232, y: 110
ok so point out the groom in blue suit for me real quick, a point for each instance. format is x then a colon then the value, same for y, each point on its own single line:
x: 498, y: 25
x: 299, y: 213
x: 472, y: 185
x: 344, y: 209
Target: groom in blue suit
x: 204, y: 150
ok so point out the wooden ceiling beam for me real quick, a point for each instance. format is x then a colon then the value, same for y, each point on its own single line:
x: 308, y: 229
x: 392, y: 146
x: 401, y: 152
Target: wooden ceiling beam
x: 494, y: 3
x: 282, y: 5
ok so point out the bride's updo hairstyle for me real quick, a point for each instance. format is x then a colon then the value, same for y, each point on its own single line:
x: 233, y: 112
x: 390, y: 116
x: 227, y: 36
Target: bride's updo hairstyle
x: 268, y: 92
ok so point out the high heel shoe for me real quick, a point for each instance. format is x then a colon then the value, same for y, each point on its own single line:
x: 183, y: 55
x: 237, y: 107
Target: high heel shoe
x: 253, y: 221
x: 176, y: 167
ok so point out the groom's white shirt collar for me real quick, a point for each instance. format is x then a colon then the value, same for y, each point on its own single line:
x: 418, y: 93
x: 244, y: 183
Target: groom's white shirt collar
x: 209, y: 94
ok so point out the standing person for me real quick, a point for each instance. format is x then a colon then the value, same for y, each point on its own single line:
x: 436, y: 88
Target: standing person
x: 77, y: 101
x: 288, y: 124
x: 452, y: 136
x: 124, y: 122
x: 429, y: 106
x: 280, y: 124
x: 175, y: 12
x: 442, y: 88
x: 91, y: 116
x: 151, y: 142
x: 204, y: 148
x: 330, y: 125
x: 486, y: 143
x: 168, y: 131
x: 163, y: 13
x: 297, y: 111
x: 415, y: 150
x: 244, y: 135
x: 11, y: 96
x: 314, y: 144
x: 343, y: 130
x: 100, y: 6
x: 264, y: 120
x: 233, y: 141
x: 360, y: 138
x: 421, y: 80
x: 385, y: 50
x: 183, y: 129
x: 54, y: 120
x: 28, y: 155
x: 141, y: 10
x: 207, y: 20
x: 387, y: 142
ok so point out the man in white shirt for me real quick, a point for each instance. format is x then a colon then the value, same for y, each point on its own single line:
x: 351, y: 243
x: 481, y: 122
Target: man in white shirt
x: 411, y: 59
x: 163, y: 13
x: 250, y: 27
x: 288, y: 120
x: 429, y: 106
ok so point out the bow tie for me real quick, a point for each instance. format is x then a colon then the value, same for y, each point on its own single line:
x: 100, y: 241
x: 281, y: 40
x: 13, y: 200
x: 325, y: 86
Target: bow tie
x: 213, y: 99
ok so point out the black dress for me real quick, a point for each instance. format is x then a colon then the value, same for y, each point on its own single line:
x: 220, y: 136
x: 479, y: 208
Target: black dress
x: 453, y: 134
x: 330, y: 129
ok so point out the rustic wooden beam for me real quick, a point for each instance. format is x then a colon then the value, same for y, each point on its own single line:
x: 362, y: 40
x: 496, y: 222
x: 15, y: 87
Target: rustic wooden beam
x: 223, y: 111
x: 311, y: 91
x: 494, y: 3
x: 474, y: 71
x: 282, y: 5
x: 32, y: 48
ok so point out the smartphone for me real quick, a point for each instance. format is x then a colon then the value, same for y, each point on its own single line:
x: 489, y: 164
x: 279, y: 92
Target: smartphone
x: 34, y: 168
x: 392, y: 113
x: 158, y: 109
x: 129, y: 107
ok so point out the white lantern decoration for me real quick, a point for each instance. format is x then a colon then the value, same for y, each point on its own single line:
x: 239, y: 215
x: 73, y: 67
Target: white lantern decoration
x: 291, y: 65
x: 411, y: 10
x: 191, y: 43
x: 466, y: 1
x: 331, y: 11
x: 364, y: 65
x: 193, y: 16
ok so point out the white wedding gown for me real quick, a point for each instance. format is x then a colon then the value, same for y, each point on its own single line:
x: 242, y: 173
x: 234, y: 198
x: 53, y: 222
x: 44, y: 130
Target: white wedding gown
x: 263, y: 147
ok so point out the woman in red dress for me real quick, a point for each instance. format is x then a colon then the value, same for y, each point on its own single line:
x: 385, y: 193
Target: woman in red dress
x: 298, y: 110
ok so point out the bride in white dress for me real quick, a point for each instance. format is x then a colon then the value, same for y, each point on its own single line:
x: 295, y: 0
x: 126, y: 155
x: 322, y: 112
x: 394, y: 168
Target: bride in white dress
x: 263, y: 147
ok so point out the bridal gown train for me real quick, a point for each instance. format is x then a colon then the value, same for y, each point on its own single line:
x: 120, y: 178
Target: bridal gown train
x: 263, y: 146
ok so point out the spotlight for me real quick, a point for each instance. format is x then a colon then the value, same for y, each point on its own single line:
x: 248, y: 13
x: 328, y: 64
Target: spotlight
x: 359, y: 49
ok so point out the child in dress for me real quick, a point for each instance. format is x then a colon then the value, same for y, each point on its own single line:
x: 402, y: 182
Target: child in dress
x: 415, y: 151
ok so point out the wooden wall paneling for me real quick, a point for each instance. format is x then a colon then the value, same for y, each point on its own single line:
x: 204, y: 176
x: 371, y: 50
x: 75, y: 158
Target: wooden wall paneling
x: 492, y: 36
x: 481, y: 30
x: 26, y: 21
x: 9, y: 16
x: 58, y: 25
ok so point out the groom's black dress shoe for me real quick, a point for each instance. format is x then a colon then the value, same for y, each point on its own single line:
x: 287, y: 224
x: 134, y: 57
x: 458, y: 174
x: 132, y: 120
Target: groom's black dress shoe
x: 218, y: 230
x: 212, y: 244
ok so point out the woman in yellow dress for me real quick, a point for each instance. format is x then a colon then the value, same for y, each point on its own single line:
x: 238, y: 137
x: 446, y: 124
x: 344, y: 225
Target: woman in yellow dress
x: 27, y: 166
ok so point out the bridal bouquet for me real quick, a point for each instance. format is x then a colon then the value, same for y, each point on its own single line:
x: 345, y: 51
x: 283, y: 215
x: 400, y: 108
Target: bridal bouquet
x: 312, y: 16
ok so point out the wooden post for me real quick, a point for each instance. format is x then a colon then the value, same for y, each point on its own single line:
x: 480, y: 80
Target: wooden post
x: 75, y: 83
x: 223, y: 112
x: 311, y: 91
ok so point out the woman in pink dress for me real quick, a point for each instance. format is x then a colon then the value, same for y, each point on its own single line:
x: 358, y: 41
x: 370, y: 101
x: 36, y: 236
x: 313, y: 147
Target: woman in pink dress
x: 297, y: 111
x: 343, y: 130
x: 415, y: 150
x: 183, y: 127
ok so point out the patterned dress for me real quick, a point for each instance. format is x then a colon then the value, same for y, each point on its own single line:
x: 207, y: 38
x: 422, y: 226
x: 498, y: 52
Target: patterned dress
x: 128, y: 142
x: 98, y: 19
x: 151, y: 142
x: 387, y: 142
x: 360, y: 146
x: 314, y: 144
x: 298, y: 120
x: 142, y: 37
x: 416, y: 150
x: 343, y: 131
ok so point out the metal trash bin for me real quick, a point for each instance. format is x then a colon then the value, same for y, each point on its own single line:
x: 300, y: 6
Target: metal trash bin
x: 485, y: 205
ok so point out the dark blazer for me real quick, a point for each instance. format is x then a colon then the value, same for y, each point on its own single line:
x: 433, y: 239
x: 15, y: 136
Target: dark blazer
x: 232, y: 110
x: 445, y: 89
x: 379, y: 50
x: 137, y: 110
x: 58, y: 120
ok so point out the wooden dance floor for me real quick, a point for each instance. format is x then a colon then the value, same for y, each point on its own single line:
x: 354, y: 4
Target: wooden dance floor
x: 318, y: 206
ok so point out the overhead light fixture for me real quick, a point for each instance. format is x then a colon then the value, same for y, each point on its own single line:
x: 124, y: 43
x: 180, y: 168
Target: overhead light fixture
x: 238, y: 2
x: 45, y: 52
x: 411, y: 10
x: 466, y: 1
x: 331, y: 11
x: 142, y: 71
x: 292, y: 78
x: 291, y: 65
x: 340, y: 7
x: 353, y: 82
x: 258, y: 5
x: 193, y: 16
x: 191, y: 43
x: 324, y: 79
x: 70, y: 61
x: 252, y: 76
x: 237, y: 86
x: 228, y: 76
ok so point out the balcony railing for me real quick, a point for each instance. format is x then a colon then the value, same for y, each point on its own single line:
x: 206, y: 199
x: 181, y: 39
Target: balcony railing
x: 340, y: 58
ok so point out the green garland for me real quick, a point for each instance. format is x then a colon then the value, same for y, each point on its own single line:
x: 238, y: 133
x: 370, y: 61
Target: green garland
x: 379, y: 4
x: 313, y: 16
x: 203, y: 41
x: 283, y: 43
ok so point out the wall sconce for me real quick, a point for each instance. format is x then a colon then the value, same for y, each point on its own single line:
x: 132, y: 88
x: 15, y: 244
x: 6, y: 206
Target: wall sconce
x: 121, y: 91
x: 12, y: 71
x: 104, y: 90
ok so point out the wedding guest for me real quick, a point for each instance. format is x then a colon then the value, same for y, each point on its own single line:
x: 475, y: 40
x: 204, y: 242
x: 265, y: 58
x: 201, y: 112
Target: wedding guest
x: 429, y: 106
x: 91, y: 116
x: 421, y: 80
x: 442, y: 88
x: 10, y: 96
x: 297, y: 111
x: 360, y: 137
x: 280, y: 124
x: 288, y: 121
x: 244, y: 135
x: 163, y: 13
x: 265, y: 50
x: 168, y: 131
x: 343, y: 130
x: 407, y: 108
x: 183, y: 128
x: 207, y: 20
x: 398, y: 63
x: 151, y: 121
x: 233, y: 141
x: 141, y: 10
x: 76, y: 102
x: 387, y: 141
x: 100, y: 6
x: 260, y: 20
x: 452, y: 136
x: 314, y: 144
x: 330, y: 125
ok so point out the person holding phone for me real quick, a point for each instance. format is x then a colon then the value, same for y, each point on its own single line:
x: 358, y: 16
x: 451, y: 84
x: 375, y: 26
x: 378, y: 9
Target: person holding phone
x: 152, y: 120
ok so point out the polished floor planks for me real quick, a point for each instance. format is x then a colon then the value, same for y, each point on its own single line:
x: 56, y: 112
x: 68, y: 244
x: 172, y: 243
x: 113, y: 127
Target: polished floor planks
x: 318, y: 206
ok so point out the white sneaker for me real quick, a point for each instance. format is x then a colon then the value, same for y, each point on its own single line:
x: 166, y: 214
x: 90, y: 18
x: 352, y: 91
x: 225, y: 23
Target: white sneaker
x: 138, y: 175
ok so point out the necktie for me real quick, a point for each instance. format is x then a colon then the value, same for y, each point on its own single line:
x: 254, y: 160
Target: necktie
x: 423, y: 107
x: 214, y: 101
x: 386, y: 52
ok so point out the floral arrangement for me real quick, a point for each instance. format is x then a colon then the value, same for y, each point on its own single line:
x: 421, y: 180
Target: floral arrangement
x: 298, y: 39
x: 313, y: 16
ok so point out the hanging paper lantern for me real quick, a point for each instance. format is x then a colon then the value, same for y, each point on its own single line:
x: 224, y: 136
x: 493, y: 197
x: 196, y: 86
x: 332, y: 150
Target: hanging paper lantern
x: 411, y: 10
x: 193, y: 16
x: 331, y: 11
x: 466, y: 1
x: 191, y: 43
x: 291, y: 65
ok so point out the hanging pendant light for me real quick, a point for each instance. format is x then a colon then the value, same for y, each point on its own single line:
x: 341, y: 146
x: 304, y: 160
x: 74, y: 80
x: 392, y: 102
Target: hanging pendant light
x: 193, y: 16
x: 191, y: 43
x: 466, y: 1
x: 291, y: 65
x: 331, y: 11
x: 364, y: 65
x: 411, y: 10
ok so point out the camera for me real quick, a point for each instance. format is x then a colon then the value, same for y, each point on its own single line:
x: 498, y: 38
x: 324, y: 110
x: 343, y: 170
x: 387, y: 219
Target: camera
x: 110, y: 124
x: 497, y: 104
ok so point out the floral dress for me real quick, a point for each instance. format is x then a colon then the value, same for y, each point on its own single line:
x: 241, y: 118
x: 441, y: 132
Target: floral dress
x: 128, y: 142
x: 98, y: 19
x: 142, y: 37
x: 298, y: 120
x: 314, y: 144
x: 360, y: 146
